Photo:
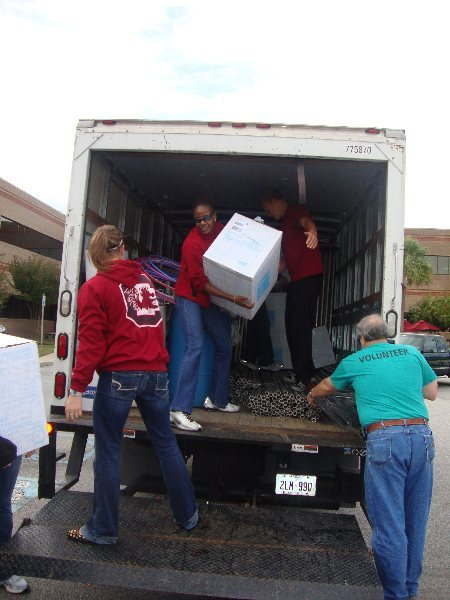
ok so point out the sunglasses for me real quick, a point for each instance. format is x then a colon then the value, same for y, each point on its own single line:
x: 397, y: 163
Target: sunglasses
x: 205, y: 218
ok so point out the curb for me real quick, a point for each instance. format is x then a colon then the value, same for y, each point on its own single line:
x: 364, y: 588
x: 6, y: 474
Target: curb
x: 47, y: 360
x: 46, y: 363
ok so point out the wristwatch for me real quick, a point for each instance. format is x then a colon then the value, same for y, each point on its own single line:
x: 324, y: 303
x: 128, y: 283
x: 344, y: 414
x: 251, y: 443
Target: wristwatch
x: 75, y: 393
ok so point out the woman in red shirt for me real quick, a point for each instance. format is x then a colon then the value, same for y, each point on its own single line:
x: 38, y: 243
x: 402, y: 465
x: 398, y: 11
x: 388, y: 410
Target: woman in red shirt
x: 197, y: 315
x: 120, y: 335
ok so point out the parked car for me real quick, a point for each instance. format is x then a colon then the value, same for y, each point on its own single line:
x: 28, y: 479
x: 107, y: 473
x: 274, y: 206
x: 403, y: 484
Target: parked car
x: 434, y: 349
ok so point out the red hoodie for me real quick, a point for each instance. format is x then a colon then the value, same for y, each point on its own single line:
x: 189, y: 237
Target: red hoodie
x: 192, y: 279
x: 120, y: 325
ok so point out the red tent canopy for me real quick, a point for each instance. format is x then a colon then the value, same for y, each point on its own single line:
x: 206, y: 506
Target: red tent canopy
x: 406, y: 326
x: 420, y: 326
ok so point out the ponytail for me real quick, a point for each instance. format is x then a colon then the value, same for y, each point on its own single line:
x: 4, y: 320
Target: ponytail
x: 104, y: 246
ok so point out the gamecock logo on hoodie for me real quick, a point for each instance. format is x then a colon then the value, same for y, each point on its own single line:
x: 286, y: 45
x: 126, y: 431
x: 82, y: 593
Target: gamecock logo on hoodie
x: 141, y: 303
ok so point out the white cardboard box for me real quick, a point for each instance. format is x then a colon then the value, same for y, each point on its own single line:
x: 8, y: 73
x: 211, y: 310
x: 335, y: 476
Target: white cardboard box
x: 22, y: 406
x: 243, y: 261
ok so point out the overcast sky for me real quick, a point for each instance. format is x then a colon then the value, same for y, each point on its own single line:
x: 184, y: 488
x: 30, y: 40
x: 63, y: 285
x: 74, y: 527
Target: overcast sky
x: 316, y: 62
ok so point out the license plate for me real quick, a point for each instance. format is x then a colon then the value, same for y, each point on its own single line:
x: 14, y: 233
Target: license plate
x: 295, y: 485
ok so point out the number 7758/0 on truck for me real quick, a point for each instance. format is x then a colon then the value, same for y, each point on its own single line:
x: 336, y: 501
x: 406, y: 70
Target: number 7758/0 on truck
x: 270, y: 486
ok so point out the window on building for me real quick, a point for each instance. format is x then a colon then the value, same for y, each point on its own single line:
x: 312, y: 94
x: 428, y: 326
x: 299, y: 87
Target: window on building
x: 19, y: 235
x: 440, y: 264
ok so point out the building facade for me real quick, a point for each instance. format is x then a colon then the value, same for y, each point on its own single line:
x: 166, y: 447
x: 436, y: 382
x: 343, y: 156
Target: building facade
x: 437, y: 245
x: 28, y: 227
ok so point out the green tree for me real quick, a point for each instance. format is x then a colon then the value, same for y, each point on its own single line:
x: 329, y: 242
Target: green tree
x: 5, y: 288
x: 416, y: 269
x: 34, y: 277
x: 434, y: 309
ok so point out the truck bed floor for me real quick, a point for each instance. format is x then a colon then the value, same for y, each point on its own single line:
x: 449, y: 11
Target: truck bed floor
x: 247, y: 428
x: 238, y: 552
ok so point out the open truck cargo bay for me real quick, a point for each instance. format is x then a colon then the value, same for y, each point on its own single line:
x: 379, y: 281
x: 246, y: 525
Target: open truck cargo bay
x: 142, y: 176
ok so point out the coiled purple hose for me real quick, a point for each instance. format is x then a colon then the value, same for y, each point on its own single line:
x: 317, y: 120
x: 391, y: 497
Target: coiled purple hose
x: 164, y: 273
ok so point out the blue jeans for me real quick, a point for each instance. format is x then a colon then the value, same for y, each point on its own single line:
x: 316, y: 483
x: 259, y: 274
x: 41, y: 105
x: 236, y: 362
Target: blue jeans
x: 8, y: 478
x: 399, y: 480
x: 115, y: 393
x: 194, y: 321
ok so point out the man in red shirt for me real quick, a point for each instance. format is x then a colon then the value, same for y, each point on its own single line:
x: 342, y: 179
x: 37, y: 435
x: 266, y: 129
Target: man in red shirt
x: 302, y: 258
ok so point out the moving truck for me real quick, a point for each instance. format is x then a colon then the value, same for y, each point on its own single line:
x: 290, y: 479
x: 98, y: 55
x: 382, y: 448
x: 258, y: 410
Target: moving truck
x: 142, y: 177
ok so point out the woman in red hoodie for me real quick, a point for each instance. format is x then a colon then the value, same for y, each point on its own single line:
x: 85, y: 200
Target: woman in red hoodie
x: 197, y: 315
x: 120, y: 335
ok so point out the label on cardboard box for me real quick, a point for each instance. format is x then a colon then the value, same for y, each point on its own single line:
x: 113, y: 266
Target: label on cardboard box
x: 22, y: 406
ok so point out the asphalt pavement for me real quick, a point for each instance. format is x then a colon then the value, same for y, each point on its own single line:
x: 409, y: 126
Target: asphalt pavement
x: 435, y: 581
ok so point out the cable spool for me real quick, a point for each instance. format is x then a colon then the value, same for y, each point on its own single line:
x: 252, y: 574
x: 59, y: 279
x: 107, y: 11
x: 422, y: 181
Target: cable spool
x: 164, y: 273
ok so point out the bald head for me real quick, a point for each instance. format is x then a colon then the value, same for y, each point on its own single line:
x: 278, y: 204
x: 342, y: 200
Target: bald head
x: 372, y: 328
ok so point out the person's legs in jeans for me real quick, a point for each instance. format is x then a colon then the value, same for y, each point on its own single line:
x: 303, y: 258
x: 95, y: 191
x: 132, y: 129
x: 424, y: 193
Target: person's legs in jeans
x: 419, y: 485
x: 115, y: 393
x: 153, y: 403
x: 190, y: 315
x: 8, y: 478
x: 218, y: 325
x: 386, y: 472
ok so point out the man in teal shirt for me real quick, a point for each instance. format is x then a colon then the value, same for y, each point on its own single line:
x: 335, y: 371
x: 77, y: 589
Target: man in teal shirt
x: 390, y: 384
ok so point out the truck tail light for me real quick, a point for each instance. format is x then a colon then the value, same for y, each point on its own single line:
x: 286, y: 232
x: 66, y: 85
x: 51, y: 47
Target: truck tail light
x: 214, y: 124
x: 60, y: 385
x: 373, y: 130
x: 62, y: 346
x: 263, y: 126
x: 238, y: 125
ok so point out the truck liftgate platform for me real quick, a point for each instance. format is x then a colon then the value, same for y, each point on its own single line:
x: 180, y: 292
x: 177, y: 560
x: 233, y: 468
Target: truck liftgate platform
x: 236, y: 552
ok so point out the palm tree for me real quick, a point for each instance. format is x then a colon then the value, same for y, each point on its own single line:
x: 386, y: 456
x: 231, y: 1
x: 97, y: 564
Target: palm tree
x: 416, y: 269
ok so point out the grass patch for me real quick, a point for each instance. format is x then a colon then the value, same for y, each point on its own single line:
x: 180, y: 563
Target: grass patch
x: 46, y: 348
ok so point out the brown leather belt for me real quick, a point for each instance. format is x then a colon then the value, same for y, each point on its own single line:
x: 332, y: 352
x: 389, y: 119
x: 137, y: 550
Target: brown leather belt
x: 393, y: 422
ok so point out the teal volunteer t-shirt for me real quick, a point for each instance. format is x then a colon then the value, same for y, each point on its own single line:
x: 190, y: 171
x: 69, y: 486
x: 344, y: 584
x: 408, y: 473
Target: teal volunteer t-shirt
x: 387, y: 380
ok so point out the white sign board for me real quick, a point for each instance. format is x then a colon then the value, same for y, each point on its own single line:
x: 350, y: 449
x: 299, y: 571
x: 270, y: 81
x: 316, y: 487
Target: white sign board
x: 22, y: 406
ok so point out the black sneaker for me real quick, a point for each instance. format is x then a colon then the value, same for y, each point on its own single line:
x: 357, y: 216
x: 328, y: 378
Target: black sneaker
x: 249, y: 365
x: 275, y: 366
x: 299, y: 387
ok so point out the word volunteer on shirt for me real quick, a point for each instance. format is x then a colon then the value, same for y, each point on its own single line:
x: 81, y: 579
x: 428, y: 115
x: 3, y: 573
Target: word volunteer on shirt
x: 384, y: 354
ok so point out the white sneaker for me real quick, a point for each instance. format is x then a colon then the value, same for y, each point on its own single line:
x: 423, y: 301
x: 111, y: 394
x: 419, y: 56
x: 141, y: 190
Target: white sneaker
x: 209, y: 405
x: 182, y: 420
x: 275, y: 366
x: 15, y: 585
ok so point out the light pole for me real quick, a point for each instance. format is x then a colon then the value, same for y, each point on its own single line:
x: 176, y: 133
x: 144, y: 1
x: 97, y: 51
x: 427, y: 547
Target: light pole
x: 42, y: 318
